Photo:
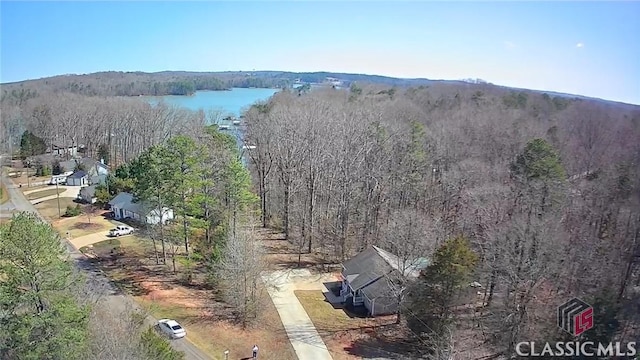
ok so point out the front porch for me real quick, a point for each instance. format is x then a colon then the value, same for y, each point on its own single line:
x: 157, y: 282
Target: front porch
x: 348, y: 294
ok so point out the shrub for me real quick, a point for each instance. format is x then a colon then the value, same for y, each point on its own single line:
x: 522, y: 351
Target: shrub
x: 72, y: 211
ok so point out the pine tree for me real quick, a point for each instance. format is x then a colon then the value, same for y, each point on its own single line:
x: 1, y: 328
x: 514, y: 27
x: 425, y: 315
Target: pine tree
x: 440, y: 285
x: 40, y: 316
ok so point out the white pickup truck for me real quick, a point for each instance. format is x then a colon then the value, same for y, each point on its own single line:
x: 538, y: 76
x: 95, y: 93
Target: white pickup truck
x: 121, y: 230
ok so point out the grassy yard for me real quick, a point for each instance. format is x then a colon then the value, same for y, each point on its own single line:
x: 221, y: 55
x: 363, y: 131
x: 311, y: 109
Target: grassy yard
x: 44, y: 193
x: 25, y: 189
x: 346, y: 337
x: 214, y: 335
x: 4, y: 194
x: 81, y: 225
x: 325, y: 317
x: 130, y: 263
x: 49, y: 208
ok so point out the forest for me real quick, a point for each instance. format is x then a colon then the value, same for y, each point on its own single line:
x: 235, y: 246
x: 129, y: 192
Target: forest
x: 545, y: 190
x: 535, y: 197
x: 113, y: 83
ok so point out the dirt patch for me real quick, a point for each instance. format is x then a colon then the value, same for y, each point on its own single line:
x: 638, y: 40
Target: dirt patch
x: 86, y: 226
x: 81, y: 225
x: 283, y: 254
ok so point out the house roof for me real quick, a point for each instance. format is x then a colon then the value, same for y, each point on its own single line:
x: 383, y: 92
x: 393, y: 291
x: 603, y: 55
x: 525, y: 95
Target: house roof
x: 373, y: 266
x: 78, y: 175
x: 125, y: 201
x: 88, y: 191
x: 88, y: 163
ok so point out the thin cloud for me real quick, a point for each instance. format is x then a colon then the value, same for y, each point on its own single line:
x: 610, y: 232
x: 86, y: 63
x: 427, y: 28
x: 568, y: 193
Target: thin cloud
x: 579, y: 45
x: 509, y: 45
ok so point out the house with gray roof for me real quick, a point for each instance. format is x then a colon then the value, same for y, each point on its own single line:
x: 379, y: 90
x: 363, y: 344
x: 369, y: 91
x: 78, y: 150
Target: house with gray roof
x: 375, y: 278
x: 96, y: 171
x: 88, y: 194
x: 124, y: 206
x: 78, y: 178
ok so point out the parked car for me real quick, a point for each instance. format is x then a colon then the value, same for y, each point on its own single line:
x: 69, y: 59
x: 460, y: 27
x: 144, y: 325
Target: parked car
x: 171, y: 328
x: 121, y: 230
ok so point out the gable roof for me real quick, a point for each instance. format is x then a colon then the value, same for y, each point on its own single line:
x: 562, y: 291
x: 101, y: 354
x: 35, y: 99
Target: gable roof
x: 374, y: 263
x: 78, y: 175
x: 88, y: 163
x: 124, y: 200
x: 88, y: 191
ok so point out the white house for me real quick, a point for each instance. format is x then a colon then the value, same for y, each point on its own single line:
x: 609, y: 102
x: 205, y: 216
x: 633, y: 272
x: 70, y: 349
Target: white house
x: 123, y: 206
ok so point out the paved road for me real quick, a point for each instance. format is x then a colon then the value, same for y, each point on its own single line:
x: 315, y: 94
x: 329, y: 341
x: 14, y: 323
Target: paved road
x: 114, y: 299
x: 303, y: 335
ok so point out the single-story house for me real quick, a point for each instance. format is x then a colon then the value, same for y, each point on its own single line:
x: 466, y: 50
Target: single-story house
x: 123, y: 206
x: 88, y: 194
x: 373, y: 278
x: 78, y: 178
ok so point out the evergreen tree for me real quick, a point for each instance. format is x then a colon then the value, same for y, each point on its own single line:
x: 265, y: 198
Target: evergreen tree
x: 440, y: 285
x: 41, y: 318
x: 103, y: 153
x: 31, y: 145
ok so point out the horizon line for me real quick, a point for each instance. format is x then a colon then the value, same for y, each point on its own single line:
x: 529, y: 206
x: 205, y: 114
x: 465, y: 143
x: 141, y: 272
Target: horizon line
x: 463, y: 80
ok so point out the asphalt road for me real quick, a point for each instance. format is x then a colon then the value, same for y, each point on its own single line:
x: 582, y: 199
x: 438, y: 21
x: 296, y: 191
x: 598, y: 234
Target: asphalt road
x: 113, y: 299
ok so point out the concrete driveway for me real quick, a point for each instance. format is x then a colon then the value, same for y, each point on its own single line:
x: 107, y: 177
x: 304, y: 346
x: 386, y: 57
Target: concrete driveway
x: 302, y: 334
x: 69, y: 192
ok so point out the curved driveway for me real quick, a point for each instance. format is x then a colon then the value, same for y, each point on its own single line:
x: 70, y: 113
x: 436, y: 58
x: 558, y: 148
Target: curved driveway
x: 69, y: 192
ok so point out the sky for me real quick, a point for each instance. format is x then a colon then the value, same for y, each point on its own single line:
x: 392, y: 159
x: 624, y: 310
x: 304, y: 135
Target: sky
x: 584, y: 48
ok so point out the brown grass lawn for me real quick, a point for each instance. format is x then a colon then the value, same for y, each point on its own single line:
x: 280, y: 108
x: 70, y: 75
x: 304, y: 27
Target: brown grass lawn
x: 130, y: 262
x: 25, y: 189
x: 44, y: 193
x: 4, y: 194
x: 49, y: 208
x: 81, y: 225
x: 347, y: 337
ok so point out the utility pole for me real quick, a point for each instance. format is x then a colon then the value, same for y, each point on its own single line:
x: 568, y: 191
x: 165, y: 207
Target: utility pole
x: 58, y: 195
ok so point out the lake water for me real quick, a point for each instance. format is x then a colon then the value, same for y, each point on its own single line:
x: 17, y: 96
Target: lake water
x: 231, y: 102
